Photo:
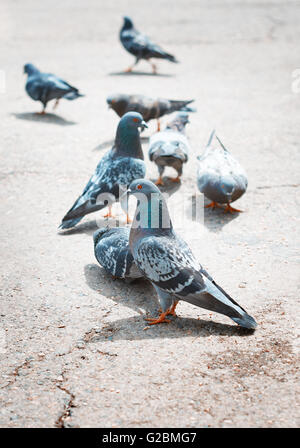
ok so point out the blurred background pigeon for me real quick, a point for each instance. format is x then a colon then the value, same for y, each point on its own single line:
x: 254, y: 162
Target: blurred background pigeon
x: 149, y: 108
x: 45, y: 87
x: 170, y: 147
x: 141, y: 46
x: 111, y: 246
x: 120, y: 166
x: 220, y: 177
x: 167, y: 261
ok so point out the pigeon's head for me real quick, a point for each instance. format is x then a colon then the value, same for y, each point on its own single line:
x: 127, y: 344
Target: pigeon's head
x: 118, y: 102
x: 30, y: 69
x: 183, y: 117
x: 99, y: 234
x: 178, y: 123
x: 143, y: 186
x: 128, y: 24
x: 130, y: 122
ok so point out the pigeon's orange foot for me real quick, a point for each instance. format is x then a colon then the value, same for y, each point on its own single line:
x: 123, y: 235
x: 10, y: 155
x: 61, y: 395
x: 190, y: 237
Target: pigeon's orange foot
x: 172, y: 310
x: 109, y: 215
x: 160, y: 319
x: 212, y: 205
x: 158, y: 125
x: 128, y: 70
x: 159, y: 181
x: 175, y: 179
x: 41, y: 113
x: 128, y: 219
x: 231, y: 209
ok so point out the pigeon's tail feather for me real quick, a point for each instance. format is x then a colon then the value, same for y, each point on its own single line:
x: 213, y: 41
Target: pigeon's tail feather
x: 70, y: 223
x: 181, y: 105
x: 72, y: 95
x: 170, y: 58
x: 214, y: 298
x: 245, y: 321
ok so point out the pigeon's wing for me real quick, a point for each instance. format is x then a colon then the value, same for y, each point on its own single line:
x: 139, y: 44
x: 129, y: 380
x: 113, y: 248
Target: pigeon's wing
x: 113, y: 253
x: 141, y: 46
x: 109, y: 175
x: 169, y: 264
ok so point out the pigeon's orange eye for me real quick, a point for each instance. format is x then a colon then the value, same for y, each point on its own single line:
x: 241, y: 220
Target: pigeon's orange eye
x: 139, y: 187
x: 113, y: 101
x: 136, y: 120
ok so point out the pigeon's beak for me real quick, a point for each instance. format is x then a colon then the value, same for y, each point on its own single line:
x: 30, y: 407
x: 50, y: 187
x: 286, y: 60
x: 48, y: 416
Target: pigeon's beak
x: 143, y: 125
x: 125, y: 194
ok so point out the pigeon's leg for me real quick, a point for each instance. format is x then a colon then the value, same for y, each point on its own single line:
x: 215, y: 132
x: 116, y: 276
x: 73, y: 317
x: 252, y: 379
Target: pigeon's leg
x: 167, y: 304
x: 172, y: 310
x: 129, y: 69
x: 158, y: 125
x: 154, y: 67
x: 159, y: 180
x: 212, y: 205
x: 128, y: 219
x: 109, y: 214
x: 231, y: 209
x: 56, y: 104
x: 43, y: 111
x: 179, y: 173
x: 161, y: 318
x: 175, y: 179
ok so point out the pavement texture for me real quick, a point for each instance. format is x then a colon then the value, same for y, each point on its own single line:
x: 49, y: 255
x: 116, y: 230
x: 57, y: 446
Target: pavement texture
x: 74, y: 350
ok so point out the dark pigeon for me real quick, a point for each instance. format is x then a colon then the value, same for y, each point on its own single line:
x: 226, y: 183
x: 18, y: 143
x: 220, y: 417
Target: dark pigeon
x: 111, y: 246
x: 149, y: 108
x: 220, y: 177
x: 141, y: 46
x: 170, y: 147
x: 120, y: 166
x: 45, y: 87
x: 167, y: 261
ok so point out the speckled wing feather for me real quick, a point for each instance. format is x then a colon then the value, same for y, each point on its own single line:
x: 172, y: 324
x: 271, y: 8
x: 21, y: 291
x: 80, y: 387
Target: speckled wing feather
x: 110, y: 173
x: 113, y: 253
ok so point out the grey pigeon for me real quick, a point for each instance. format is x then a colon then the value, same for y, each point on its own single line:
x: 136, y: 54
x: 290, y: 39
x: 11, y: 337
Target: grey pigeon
x: 141, y: 46
x: 111, y: 246
x: 220, y: 177
x: 149, y: 108
x: 170, y: 147
x: 45, y: 87
x: 167, y: 261
x: 118, y: 167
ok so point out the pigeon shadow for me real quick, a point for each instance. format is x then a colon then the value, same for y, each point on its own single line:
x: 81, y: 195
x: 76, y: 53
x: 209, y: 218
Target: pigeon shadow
x: 99, y: 280
x: 216, y: 219
x: 169, y: 186
x: 144, y: 297
x: 86, y: 227
x: 213, y: 219
x: 134, y: 73
x: 104, y: 145
x: 46, y: 118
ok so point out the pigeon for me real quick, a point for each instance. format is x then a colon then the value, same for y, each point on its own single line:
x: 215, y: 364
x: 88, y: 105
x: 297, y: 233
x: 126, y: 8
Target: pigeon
x: 118, y: 168
x: 111, y: 246
x: 141, y: 46
x: 149, y: 107
x: 220, y: 177
x: 167, y: 262
x: 170, y: 147
x: 45, y: 87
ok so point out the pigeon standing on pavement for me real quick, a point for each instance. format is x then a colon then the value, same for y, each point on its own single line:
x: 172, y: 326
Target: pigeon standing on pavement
x: 119, y: 167
x: 111, y: 247
x: 167, y: 261
x: 170, y: 147
x: 45, y: 87
x: 149, y: 108
x: 141, y: 46
x: 220, y: 177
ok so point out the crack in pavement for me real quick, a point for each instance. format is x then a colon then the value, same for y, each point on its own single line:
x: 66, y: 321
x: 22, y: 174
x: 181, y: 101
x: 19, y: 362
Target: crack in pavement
x: 67, y: 411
